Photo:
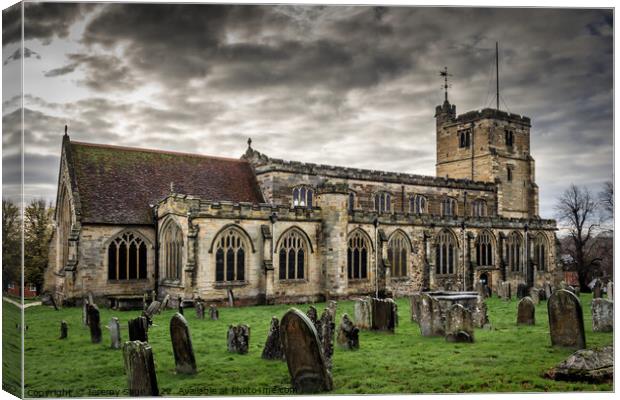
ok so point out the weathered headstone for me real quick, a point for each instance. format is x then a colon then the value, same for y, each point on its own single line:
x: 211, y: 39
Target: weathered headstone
x: 535, y: 295
x: 526, y: 312
x: 327, y: 327
x: 140, y: 369
x: 566, y: 320
x: 153, y: 296
x: 85, y: 312
x: 431, y: 319
x: 395, y: 312
x: 332, y: 305
x: 602, y: 315
x: 231, y: 298
x: 94, y: 323
x: 164, y: 303
x: 64, y: 330
x: 506, y: 291
x: 182, y: 345
x: 548, y: 290
x: 214, y: 314
x: 414, y: 301
x: 304, y: 357
x: 522, y: 290
x: 610, y: 290
x: 313, y: 315
x: 348, y: 334
x: 115, y: 333
x: 273, y: 345
x: 238, y: 339
x: 459, y: 324
x: 597, y: 291
x: 383, y: 314
x: 479, y: 314
x: 152, y: 309
x: 200, y: 310
x: 138, y: 329
x: 145, y: 301
x: 180, y: 305
x: 363, y: 315
x: 593, y: 366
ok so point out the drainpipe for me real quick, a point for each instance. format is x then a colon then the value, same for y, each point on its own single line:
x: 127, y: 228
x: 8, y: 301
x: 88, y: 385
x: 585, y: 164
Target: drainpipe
x: 527, y: 258
x: 376, y: 224
x: 464, y: 252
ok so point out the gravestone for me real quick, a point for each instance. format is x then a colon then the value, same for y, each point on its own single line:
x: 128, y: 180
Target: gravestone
x: 273, y: 345
x: 570, y: 289
x: 327, y: 328
x: 231, y: 298
x: 430, y: 318
x: 576, y: 290
x: 153, y: 296
x: 395, y: 312
x: 414, y: 302
x: 180, y: 305
x: 592, y: 366
x: 200, y: 310
x: 521, y: 290
x: 348, y: 334
x: 238, y: 339
x: 115, y: 333
x: 140, y: 369
x: 332, y: 305
x: 94, y: 323
x: 145, y: 301
x: 182, y: 345
x: 64, y: 330
x: 610, y: 290
x: 383, y: 314
x: 535, y: 295
x: 138, y: 329
x: 214, y: 314
x: 85, y: 312
x: 566, y: 320
x: 479, y: 314
x: 164, y: 303
x: 597, y: 291
x: 304, y: 357
x: 548, y: 290
x: 459, y: 324
x: 363, y: 315
x: 602, y: 315
x: 526, y: 312
x: 152, y: 309
x: 313, y: 315
x: 506, y: 290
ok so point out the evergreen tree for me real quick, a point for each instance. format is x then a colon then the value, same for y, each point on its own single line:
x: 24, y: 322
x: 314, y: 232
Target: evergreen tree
x: 11, y: 243
x: 37, y: 234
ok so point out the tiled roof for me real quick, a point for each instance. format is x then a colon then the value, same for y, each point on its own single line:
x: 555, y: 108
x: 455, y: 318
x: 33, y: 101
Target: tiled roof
x: 117, y: 185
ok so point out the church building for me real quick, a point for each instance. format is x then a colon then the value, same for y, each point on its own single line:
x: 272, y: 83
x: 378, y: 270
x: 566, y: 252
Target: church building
x: 266, y: 230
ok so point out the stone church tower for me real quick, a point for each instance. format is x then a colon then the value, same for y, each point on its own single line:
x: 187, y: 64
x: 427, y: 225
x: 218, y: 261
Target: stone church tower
x: 489, y: 146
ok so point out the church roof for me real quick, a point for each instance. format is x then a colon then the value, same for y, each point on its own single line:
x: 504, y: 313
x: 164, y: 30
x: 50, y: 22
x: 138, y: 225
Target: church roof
x: 117, y: 185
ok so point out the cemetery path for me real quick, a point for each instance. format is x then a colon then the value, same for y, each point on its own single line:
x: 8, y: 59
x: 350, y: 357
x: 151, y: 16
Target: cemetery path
x: 15, y: 303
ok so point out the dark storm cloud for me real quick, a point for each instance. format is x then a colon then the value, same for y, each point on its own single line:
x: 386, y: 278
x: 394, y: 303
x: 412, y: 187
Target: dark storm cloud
x: 42, y: 21
x: 17, y: 55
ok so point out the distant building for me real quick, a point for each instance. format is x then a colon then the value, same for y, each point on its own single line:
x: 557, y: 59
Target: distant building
x: 30, y: 289
x: 130, y: 220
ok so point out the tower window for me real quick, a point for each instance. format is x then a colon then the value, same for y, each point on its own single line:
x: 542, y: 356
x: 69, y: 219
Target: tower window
x: 509, y: 138
x: 509, y: 173
x: 464, y: 138
x: 351, y: 204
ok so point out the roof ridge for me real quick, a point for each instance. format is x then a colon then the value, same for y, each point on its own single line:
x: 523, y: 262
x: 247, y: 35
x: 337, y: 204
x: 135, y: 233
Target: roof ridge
x: 158, y: 151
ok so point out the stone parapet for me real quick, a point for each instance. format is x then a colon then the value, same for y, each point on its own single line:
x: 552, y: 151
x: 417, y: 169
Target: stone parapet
x: 492, y: 114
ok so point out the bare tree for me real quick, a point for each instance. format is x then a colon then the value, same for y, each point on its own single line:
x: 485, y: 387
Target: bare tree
x: 576, y: 209
x: 606, y: 198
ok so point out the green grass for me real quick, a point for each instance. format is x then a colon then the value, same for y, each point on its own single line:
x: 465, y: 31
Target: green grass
x: 505, y: 359
x: 11, y: 345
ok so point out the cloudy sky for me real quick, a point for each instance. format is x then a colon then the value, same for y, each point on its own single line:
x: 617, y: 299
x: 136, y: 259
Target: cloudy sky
x: 353, y: 86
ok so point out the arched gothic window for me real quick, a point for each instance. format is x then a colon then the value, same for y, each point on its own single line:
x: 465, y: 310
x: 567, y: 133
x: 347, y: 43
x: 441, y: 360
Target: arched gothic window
x: 513, y: 251
x: 448, y: 206
x: 357, y: 256
x: 171, y: 254
x: 292, y: 256
x: 64, y: 228
x: 540, y: 252
x: 484, y: 249
x: 351, y: 203
x: 398, y: 254
x: 127, y: 257
x: 417, y: 204
x: 303, y: 197
x: 479, y: 208
x: 230, y: 251
x: 445, y: 253
x: 383, y: 202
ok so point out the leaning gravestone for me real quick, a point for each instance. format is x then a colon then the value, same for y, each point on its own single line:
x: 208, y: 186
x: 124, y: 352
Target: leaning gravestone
x: 479, y: 314
x: 182, y: 345
x: 327, y: 327
x: 566, y: 320
x: 602, y: 315
x: 431, y: 320
x: 521, y: 290
x: 348, y: 334
x: 304, y: 358
x: 63, y: 330
x: 238, y: 339
x: 200, y: 310
x: 152, y: 309
x: 383, y: 314
x: 164, y: 303
x: 138, y: 329
x: 415, y: 306
x: 214, y: 314
x: 526, y: 312
x: 459, y: 324
x: 273, y: 346
x: 535, y: 295
x: 93, y: 323
x: 140, y: 369
x: 231, y: 298
x: 115, y: 333
x: 363, y: 316
x: 180, y: 305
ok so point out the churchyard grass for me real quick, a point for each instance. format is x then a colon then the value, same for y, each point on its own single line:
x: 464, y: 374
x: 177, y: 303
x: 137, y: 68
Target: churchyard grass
x: 11, y: 344
x: 508, y: 358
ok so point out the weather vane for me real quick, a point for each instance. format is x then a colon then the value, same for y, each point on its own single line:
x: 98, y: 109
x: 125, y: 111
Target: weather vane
x: 444, y: 73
